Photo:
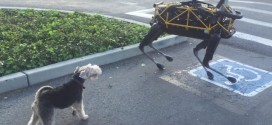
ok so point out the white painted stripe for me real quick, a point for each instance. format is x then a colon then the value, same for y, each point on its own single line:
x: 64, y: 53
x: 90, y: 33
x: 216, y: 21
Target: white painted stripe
x: 251, y: 2
x: 182, y: 85
x: 256, y: 22
x: 253, y: 10
x: 145, y: 10
x: 23, y: 8
x: 142, y: 13
x: 139, y: 14
x: 129, y: 3
x: 253, y: 38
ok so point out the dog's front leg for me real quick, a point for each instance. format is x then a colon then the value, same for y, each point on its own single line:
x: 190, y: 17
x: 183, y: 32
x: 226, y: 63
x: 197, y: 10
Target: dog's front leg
x: 79, y: 108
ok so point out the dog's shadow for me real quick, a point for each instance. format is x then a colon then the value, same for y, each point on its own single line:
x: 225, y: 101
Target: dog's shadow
x: 65, y: 117
x: 79, y: 122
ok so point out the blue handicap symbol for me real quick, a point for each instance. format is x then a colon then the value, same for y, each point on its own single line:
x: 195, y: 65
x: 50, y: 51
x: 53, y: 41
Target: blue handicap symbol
x: 250, y: 80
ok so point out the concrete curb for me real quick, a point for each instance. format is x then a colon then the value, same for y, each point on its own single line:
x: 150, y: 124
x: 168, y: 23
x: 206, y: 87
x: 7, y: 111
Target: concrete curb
x: 13, y: 81
x: 42, y: 74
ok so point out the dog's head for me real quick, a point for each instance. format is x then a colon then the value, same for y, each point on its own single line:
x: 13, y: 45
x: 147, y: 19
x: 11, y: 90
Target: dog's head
x: 89, y: 71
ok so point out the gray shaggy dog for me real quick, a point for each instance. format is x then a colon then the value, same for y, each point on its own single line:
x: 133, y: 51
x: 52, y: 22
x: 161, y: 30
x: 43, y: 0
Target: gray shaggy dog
x: 68, y: 95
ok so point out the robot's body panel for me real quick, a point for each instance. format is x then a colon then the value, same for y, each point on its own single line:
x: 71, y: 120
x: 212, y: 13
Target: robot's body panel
x: 199, y: 34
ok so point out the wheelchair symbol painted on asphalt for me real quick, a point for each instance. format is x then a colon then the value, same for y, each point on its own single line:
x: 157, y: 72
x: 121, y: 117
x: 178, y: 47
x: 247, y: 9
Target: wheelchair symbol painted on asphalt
x: 239, y: 77
x: 250, y: 80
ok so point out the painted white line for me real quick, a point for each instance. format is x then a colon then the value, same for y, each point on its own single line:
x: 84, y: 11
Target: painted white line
x: 180, y: 84
x: 142, y: 13
x: 23, y: 8
x: 253, y: 38
x: 251, y: 2
x: 256, y: 22
x: 253, y: 10
x: 129, y: 3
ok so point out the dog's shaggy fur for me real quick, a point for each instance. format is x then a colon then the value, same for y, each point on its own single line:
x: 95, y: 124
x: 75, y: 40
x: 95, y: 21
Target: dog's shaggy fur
x: 68, y: 95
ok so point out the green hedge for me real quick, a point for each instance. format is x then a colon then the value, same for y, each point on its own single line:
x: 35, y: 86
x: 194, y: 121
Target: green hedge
x: 31, y: 38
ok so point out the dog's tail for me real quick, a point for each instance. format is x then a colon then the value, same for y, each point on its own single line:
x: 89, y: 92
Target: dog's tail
x: 42, y: 89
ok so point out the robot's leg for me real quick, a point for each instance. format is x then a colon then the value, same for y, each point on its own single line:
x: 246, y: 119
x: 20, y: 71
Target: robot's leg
x: 200, y: 46
x: 153, y: 34
x: 211, y: 47
x: 169, y: 58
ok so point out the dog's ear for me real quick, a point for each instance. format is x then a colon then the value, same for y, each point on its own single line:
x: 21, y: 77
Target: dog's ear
x: 95, y: 69
x: 77, y: 68
x: 84, y: 74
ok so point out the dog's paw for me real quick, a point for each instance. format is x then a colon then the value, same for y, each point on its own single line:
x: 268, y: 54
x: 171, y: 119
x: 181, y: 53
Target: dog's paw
x: 85, y: 117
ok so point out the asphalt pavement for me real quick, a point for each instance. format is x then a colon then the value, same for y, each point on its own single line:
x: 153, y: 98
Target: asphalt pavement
x: 134, y: 92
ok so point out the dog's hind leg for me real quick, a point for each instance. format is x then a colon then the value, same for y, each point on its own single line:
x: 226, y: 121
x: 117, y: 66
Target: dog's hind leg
x: 78, y: 107
x: 34, y: 119
x: 46, y: 115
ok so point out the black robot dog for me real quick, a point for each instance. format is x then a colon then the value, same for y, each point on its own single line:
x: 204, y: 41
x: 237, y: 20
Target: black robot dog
x: 194, y: 19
